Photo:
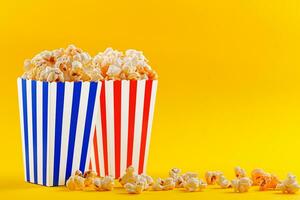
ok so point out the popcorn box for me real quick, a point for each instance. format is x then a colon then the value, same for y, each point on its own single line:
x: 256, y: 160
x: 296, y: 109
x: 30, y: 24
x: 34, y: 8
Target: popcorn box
x: 123, y: 126
x: 57, y: 126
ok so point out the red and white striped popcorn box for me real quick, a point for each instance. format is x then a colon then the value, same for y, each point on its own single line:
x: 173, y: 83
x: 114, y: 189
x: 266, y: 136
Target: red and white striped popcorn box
x: 57, y: 128
x: 123, y: 126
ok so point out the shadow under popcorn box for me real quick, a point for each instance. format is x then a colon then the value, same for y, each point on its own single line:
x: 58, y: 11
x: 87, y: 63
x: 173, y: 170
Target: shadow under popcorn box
x: 57, y: 126
x: 123, y: 126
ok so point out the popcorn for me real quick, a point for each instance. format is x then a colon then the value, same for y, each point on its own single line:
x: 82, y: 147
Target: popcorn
x: 268, y: 181
x: 27, y: 64
x: 129, y: 176
x: 223, y: 182
x: 105, y: 184
x: 136, y: 183
x: 289, y: 186
x: 52, y: 74
x: 134, y: 188
x: 75, y: 182
x: 147, y: 180
x: 174, y: 173
x: 76, y: 65
x: 239, y: 172
x: 194, y: 184
x: 113, y: 71
x: 73, y: 64
x: 257, y: 175
x: 179, y: 180
x: 241, y: 184
x: 212, y: 176
x: 115, y: 65
x: 89, y: 178
x: 164, y: 184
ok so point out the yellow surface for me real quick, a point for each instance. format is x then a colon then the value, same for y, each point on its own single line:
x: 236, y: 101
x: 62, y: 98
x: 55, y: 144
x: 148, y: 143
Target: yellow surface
x: 228, y: 87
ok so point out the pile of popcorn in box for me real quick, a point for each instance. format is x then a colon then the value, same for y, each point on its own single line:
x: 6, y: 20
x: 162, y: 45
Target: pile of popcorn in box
x: 73, y: 64
x: 189, y: 181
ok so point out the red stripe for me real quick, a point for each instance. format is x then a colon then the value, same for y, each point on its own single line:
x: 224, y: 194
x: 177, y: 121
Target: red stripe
x: 96, y: 152
x: 104, y: 129
x: 147, y: 99
x: 131, y: 119
x: 117, y: 126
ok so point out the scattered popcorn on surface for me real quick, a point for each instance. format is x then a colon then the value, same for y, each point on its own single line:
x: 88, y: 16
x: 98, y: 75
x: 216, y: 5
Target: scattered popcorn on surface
x: 136, y: 184
x: 73, y: 64
x: 194, y: 184
x: 289, y: 186
x: 223, y: 182
x: 241, y: 184
x: 212, y: 177
x: 239, y: 172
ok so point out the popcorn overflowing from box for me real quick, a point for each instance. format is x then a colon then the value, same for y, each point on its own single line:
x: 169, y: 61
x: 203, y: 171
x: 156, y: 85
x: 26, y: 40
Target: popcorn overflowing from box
x: 64, y: 94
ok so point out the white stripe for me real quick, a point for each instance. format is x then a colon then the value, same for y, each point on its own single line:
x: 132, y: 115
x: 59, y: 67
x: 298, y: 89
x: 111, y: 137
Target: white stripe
x: 51, y: 131
x: 93, y: 161
x: 149, y: 128
x: 109, y: 94
x: 124, y: 125
x: 100, y: 142
x: 138, y: 123
x: 30, y: 139
x: 65, y: 131
x: 39, y: 124
x: 80, y: 125
x: 19, y: 81
x: 92, y: 132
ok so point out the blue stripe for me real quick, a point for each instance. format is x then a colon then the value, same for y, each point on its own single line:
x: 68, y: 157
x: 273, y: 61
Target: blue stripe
x: 88, y: 123
x: 60, y: 93
x: 25, y: 121
x: 45, y: 128
x: 34, y: 129
x: 73, y: 126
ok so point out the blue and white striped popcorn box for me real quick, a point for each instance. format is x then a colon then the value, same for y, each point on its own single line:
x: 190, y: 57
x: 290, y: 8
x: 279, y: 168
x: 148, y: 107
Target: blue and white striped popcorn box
x: 57, y: 125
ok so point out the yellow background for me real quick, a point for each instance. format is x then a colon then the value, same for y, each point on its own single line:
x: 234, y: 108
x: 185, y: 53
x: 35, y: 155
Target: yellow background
x: 228, y: 82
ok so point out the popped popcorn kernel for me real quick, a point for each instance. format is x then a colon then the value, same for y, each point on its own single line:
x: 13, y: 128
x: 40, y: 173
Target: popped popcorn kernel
x: 223, y: 182
x: 89, y: 178
x: 268, y: 181
x: 134, y: 188
x: 257, y: 175
x: 164, y: 184
x: 239, y: 172
x: 194, y: 184
x: 75, y: 182
x: 129, y: 177
x: 212, y: 177
x: 147, y: 180
x: 241, y: 184
x: 289, y: 186
x: 104, y: 184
